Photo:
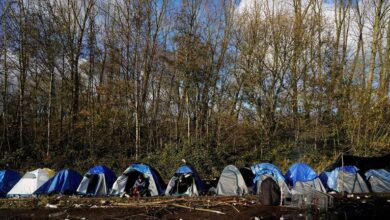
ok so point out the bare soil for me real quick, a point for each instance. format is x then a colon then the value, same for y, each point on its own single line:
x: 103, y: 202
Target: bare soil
x: 214, y: 208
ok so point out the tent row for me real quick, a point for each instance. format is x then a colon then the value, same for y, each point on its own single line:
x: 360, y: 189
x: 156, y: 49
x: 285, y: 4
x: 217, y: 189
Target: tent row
x: 143, y: 180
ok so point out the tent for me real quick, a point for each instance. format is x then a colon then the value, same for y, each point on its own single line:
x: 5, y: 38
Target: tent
x: 30, y: 182
x: 65, y: 182
x: 8, y: 179
x: 125, y: 182
x: 185, y: 182
x: 379, y: 180
x: 263, y: 171
x: 97, y: 181
x: 231, y: 182
x: 301, y: 176
x: 345, y: 179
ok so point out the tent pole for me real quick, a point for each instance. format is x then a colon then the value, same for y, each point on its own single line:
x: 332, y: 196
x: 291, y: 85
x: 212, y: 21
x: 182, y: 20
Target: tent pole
x: 342, y: 173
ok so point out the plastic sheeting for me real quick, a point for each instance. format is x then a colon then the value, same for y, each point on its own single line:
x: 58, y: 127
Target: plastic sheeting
x: 231, y: 182
x: 64, y: 182
x: 8, y: 179
x: 265, y: 170
x: 301, y: 175
x: 156, y: 184
x: 300, y: 172
x: 379, y: 180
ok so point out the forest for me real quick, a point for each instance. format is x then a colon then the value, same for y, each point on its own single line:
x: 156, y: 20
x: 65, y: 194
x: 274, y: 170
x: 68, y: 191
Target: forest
x: 213, y: 82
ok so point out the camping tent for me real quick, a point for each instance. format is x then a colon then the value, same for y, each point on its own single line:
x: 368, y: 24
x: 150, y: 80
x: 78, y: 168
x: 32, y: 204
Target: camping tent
x: 125, y: 182
x: 344, y: 179
x: 379, y: 180
x: 301, y: 176
x: 263, y: 171
x: 30, y: 182
x: 231, y: 182
x: 97, y: 181
x: 65, y: 182
x: 185, y: 181
x: 8, y: 179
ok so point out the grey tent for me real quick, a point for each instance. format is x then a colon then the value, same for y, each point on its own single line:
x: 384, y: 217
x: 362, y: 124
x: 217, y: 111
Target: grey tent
x: 97, y: 181
x: 231, y: 182
x: 263, y: 171
x: 301, y: 176
x: 185, y: 182
x: 125, y: 182
x: 344, y: 179
x: 379, y: 180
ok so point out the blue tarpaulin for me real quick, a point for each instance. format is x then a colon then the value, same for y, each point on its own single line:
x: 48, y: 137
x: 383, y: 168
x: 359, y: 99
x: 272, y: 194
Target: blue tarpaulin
x: 109, y: 175
x: 300, y: 172
x: 146, y: 169
x: 267, y: 168
x: 329, y: 179
x: 64, y: 182
x: 188, y: 169
x: 8, y: 179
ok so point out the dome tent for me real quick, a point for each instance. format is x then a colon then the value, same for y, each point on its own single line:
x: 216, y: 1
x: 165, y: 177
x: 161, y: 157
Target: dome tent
x: 30, y: 182
x: 379, y: 180
x: 344, y: 179
x: 263, y: 171
x: 231, y: 182
x: 301, y: 176
x: 8, y: 179
x: 125, y: 182
x: 65, y: 182
x: 97, y: 181
x: 185, y: 182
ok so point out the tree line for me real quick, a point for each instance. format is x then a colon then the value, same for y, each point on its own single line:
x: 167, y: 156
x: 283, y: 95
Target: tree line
x: 88, y: 81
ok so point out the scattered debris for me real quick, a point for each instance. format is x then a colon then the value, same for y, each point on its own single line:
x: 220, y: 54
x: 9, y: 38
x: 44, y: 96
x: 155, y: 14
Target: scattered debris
x: 48, y: 205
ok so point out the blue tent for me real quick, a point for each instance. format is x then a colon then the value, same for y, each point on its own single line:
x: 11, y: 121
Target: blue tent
x: 300, y: 172
x: 108, y: 174
x: 8, y: 179
x: 97, y: 181
x: 189, y: 169
x: 129, y: 176
x: 350, y: 180
x: 64, y: 182
x: 302, y: 177
x: 185, y: 174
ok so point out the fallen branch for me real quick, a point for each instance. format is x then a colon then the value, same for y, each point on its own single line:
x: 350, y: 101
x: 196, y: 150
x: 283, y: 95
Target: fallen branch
x: 198, y: 209
x: 224, y: 203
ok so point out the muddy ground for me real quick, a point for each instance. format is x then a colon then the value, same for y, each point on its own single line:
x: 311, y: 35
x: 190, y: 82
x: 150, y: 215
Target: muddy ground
x: 357, y: 207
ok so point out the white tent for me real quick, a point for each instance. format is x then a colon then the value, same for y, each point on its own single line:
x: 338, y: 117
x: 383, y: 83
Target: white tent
x: 30, y: 182
x: 231, y: 182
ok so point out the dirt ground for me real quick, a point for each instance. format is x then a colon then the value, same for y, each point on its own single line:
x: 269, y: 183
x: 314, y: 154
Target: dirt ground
x: 357, y: 207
